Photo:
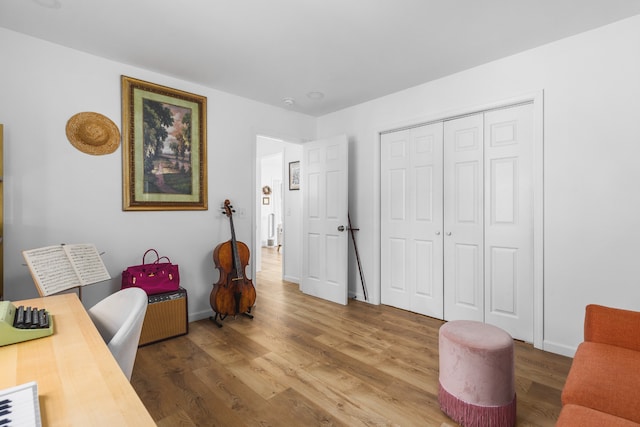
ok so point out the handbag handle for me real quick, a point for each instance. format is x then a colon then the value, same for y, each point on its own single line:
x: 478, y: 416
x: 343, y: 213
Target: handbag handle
x: 158, y: 257
x: 145, y: 255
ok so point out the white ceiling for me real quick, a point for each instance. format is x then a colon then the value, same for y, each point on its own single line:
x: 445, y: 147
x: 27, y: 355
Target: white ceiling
x: 267, y: 50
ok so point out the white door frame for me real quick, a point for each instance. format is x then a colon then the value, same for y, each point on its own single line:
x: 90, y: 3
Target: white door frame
x: 537, y: 97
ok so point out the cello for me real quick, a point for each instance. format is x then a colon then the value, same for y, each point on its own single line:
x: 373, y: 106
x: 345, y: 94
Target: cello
x: 233, y: 293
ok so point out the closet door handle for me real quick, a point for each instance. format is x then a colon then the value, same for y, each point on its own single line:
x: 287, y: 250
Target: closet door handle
x: 437, y: 233
x: 448, y: 233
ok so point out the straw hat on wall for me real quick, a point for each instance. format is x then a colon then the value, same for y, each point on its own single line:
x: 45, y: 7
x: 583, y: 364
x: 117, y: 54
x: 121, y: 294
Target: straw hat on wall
x: 93, y: 133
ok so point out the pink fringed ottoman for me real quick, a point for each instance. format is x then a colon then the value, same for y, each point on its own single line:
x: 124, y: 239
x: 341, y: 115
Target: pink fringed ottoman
x: 477, y: 386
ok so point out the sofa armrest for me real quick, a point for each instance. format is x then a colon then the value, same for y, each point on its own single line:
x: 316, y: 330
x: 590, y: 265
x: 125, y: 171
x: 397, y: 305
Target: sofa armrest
x: 612, y: 326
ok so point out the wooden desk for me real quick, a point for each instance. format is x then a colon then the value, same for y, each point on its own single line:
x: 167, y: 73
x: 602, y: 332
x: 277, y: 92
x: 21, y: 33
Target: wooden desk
x: 79, y: 381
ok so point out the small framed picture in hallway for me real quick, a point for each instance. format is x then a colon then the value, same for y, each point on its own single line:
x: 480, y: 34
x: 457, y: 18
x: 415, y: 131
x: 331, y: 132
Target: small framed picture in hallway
x: 164, y: 153
x: 294, y: 175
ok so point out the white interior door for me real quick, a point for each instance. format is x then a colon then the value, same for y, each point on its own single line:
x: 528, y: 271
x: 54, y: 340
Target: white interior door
x: 411, y: 220
x: 509, y: 220
x: 463, y: 219
x: 324, y: 185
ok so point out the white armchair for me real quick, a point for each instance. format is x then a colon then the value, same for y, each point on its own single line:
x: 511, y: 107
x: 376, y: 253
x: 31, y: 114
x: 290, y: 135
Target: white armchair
x: 119, y: 318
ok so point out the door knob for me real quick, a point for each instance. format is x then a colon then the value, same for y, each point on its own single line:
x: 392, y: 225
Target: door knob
x: 448, y: 233
x: 437, y: 233
x: 341, y: 228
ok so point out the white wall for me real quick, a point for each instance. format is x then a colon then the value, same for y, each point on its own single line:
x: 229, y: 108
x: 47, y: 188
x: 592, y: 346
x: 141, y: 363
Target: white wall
x: 53, y: 193
x: 591, y: 90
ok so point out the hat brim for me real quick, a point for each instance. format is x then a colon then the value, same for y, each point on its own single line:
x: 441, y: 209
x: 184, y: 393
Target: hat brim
x: 93, y: 133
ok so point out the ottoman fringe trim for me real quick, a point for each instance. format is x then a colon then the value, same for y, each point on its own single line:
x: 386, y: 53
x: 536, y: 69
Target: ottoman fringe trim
x: 470, y: 415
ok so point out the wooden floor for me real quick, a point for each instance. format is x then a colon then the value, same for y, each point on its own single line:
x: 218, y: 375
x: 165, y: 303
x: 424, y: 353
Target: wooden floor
x: 307, y: 362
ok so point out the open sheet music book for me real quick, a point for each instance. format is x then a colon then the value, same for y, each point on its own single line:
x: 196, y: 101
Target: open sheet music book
x: 59, y: 268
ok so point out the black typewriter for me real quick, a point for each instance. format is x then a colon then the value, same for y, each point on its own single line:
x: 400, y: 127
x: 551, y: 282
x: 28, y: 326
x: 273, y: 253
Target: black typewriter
x: 22, y: 323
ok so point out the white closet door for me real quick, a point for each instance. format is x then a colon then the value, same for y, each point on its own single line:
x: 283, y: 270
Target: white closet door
x: 463, y: 219
x: 509, y: 220
x: 457, y: 219
x: 411, y: 220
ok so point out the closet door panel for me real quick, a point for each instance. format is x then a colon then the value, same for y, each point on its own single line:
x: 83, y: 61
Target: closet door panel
x: 397, y: 277
x: 463, y: 219
x: 509, y: 225
x: 411, y: 220
x: 395, y: 265
x: 465, y: 281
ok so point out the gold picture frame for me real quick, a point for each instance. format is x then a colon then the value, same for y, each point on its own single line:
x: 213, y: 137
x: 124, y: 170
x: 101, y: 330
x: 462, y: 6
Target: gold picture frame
x: 164, y: 148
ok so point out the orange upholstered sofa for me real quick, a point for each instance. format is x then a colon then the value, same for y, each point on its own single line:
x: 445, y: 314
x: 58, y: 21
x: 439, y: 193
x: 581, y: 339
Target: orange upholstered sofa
x: 603, y: 386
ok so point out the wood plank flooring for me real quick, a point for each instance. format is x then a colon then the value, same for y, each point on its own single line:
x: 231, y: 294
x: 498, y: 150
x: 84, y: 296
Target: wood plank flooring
x: 306, y: 362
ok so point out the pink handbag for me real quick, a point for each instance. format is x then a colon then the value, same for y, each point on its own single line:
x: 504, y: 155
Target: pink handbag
x: 154, y: 278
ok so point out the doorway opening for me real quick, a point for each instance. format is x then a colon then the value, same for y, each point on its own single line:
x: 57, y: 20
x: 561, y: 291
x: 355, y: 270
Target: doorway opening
x: 277, y: 225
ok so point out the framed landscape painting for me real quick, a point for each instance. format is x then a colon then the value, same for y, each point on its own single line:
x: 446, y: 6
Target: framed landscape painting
x: 164, y: 148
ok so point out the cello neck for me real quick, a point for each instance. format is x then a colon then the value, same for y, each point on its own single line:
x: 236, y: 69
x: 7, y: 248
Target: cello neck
x: 234, y: 248
x: 237, y: 265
